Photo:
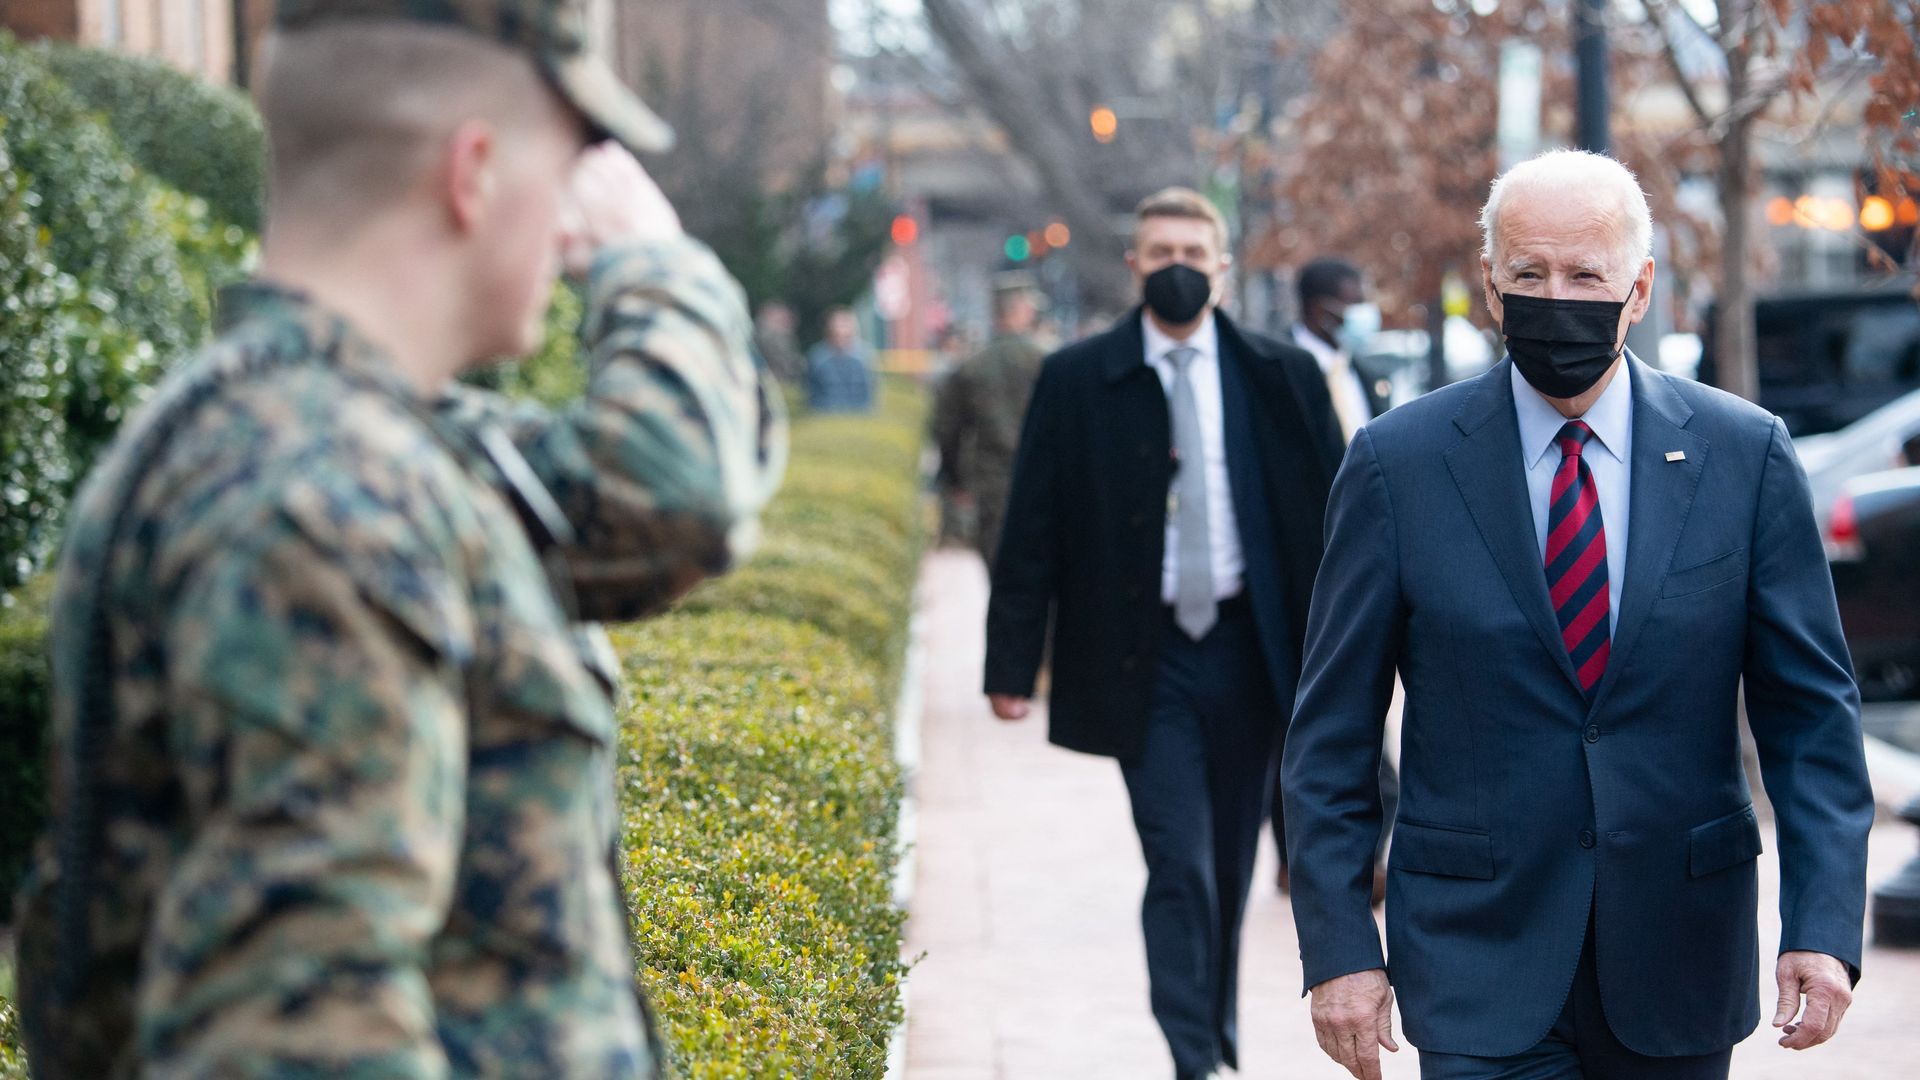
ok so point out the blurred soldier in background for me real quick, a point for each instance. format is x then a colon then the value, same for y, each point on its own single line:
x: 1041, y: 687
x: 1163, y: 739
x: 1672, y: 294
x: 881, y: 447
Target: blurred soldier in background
x: 773, y: 339
x: 979, y: 409
x: 951, y: 346
x: 333, y: 769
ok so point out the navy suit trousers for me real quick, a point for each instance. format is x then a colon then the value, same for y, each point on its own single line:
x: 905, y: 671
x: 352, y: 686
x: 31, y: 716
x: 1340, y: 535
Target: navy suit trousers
x: 1581, y: 1046
x: 1199, y: 791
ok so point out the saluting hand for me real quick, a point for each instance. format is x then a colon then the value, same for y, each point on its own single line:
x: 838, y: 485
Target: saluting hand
x: 610, y: 200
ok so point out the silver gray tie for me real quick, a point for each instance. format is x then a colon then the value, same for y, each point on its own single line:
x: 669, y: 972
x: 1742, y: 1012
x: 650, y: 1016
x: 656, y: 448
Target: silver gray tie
x: 1194, y: 607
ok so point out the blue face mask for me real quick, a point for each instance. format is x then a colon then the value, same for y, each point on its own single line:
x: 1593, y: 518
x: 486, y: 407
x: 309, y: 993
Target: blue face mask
x: 1360, y: 323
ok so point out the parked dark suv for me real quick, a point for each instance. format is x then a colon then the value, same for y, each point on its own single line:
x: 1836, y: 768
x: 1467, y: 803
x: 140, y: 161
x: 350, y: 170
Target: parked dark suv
x: 1828, y: 358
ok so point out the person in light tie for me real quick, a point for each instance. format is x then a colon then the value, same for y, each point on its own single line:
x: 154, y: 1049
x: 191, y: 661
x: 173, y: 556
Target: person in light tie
x: 1336, y: 320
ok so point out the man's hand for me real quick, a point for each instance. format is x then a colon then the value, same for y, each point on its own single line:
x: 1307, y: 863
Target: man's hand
x: 1353, y: 1018
x: 1822, y: 981
x: 1010, y: 707
x: 610, y: 200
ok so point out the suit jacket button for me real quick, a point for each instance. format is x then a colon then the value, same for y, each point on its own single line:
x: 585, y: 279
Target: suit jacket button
x: 1593, y: 732
x: 1131, y: 663
x: 1586, y: 838
x: 1144, y: 450
x: 1138, y: 520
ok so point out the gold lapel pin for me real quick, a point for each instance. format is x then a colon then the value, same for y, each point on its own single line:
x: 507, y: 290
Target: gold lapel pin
x: 1676, y: 455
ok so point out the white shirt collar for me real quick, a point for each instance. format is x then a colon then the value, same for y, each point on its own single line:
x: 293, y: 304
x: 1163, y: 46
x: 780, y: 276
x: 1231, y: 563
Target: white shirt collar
x: 1540, y: 423
x: 1206, y: 340
x: 1310, y: 341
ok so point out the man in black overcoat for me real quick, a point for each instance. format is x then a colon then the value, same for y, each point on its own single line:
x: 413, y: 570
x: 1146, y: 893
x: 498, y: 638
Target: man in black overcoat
x: 1165, y: 522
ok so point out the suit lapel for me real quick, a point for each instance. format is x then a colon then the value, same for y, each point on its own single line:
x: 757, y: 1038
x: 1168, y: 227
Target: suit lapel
x: 1487, y: 466
x: 1661, y: 500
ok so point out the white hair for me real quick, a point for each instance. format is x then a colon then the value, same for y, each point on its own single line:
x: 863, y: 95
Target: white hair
x: 1578, y: 173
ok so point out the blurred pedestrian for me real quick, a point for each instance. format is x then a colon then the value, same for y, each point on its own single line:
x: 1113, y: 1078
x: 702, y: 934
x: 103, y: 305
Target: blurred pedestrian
x: 1336, y: 320
x: 950, y: 347
x: 773, y: 339
x: 979, y: 409
x: 1165, y: 521
x: 840, y: 368
x: 333, y: 770
x: 1577, y: 565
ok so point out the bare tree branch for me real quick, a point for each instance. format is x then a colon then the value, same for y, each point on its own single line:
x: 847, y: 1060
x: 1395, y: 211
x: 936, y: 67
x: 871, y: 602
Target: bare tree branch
x: 1662, y: 12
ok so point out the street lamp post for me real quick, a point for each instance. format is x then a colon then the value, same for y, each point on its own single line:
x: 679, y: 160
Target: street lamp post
x: 1896, y: 903
x: 1590, y: 61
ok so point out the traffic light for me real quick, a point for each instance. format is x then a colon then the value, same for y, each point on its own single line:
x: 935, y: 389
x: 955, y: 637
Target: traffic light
x: 1018, y: 248
x: 905, y: 231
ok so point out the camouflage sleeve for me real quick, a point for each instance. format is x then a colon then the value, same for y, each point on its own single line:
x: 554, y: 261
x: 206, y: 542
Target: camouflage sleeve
x: 319, y: 725
x: 663, y: 466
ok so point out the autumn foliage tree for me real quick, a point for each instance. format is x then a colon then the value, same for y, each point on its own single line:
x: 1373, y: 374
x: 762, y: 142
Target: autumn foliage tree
x: 1390, y: 156
x: 1774, y: 56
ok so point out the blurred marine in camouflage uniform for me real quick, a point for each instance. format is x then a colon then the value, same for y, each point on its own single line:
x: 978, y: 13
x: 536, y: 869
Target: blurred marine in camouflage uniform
x: 980, y: 408
x: 333, y: 790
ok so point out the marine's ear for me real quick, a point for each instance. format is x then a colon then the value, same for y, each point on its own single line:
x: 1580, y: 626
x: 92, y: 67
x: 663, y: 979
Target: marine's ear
x: 470, y: 160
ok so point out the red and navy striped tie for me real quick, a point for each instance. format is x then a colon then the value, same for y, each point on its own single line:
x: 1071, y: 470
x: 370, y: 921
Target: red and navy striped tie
x: 1577, y: 560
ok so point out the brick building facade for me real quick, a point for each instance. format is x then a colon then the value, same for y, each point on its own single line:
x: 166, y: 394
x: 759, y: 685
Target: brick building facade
x: 194, y: 35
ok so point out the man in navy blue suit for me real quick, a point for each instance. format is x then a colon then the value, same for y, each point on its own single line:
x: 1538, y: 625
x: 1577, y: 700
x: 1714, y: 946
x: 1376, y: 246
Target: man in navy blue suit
x: 1576, y: 564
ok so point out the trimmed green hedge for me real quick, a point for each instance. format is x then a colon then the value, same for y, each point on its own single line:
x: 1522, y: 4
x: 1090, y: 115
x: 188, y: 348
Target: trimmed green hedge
x: 758, y: 788
x: 759, y: 784
x: 202, y: 139
x: 25, y: 686
x: 105, y: 272
x: 843, y: 537
x: 94, y: 212
x: 13, y: 1061
x: 33, y: 460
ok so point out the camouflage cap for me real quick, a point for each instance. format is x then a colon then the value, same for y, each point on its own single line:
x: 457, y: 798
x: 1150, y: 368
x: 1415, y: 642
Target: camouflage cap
x: 1012, y: 282
x: 554, y: 32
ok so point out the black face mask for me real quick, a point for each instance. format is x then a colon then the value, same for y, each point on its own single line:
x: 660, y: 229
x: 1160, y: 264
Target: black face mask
x: 1178, y: 293
x: 1562, y: 347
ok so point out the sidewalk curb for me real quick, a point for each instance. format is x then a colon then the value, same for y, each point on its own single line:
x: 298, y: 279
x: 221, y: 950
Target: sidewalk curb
x: 907, y: 715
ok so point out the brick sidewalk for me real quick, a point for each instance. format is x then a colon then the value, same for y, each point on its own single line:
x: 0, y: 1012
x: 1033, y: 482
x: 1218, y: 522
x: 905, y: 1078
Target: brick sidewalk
x: 1027, y: 910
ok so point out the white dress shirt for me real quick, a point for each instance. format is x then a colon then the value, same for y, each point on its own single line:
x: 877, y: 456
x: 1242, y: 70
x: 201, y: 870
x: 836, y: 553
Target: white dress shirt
x: 1351, y: 392
x: 1609, y: 455
x: 1223, y: 527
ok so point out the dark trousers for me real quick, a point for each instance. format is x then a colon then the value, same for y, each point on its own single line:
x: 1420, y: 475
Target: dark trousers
x: 1389, y: 804
x: 1580, y: 1046
x: 1199, y: 791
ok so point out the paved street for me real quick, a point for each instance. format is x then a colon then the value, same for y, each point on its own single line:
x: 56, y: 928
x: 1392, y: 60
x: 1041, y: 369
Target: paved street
x: 1027, y: 896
